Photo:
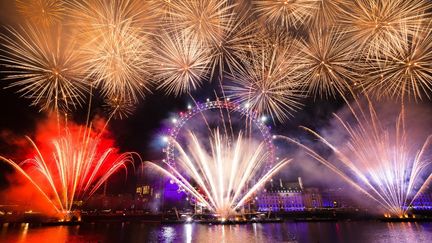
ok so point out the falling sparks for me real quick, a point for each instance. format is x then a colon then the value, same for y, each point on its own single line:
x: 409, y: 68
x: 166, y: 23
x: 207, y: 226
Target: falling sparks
x: 119, y: 107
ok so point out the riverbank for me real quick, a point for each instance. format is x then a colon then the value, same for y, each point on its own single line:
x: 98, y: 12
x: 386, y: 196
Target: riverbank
x: 317, y: 216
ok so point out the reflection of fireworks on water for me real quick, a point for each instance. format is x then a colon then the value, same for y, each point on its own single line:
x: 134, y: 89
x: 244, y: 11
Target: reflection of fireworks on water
x: 379, y: 161
x: 224, y: 172
x: 73, y: 168
x: 45, y: 67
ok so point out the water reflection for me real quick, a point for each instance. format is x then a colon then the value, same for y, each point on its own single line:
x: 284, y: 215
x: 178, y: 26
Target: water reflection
x: 168, y: 234
x: 367, y: 231
x: 188, y: 232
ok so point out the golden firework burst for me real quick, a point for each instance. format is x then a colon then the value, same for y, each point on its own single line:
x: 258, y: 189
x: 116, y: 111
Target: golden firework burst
x: 328, y: 63
x: 41, y: 12
x: 233, y: 46
x: 268, y: 82
x: 205, y: 20
x: 115, y: 45
x: 403, y: 71
x: 285, y: 13
x: 45, y: 67
x: 180, y: 63
x: 119, y: 107
x: 374, y: 24
x: 328, y: 12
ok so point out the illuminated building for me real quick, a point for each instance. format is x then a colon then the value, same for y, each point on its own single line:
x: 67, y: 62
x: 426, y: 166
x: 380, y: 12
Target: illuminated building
x: 279, y: 195
x: 312, y: 198
x: 336, y: 198
x: 423, y: 201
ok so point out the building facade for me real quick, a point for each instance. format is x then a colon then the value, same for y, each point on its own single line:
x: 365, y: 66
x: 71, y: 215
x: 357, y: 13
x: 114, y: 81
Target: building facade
x: 279, y: 195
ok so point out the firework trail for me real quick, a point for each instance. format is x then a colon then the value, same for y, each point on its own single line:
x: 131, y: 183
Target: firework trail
x: 72, y: 167
x: 378, y: 161
x: 224, y: 173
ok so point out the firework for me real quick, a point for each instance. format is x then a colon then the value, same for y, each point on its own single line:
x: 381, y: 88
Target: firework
x: 93, y: 16
x: 327, y: 61
x: 163, y: 7
x: 379, y: 161
x: 180, y: 63
x: 224, y: 173
x: 205, y: 20
x: 403, y: 70
x: 268, y: 81
x: 374, y: 24
x: 234, y: 44
x: 44, y: 66
x: 72, y: 168
x: 118, y: 63
x: 285, y: 13
x: 41, y: 12
x: 114, y: 45
x: 119, y: 107
x: 328, y: 12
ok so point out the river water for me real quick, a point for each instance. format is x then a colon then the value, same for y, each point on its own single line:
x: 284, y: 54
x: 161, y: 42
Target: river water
x: 357, y: 231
